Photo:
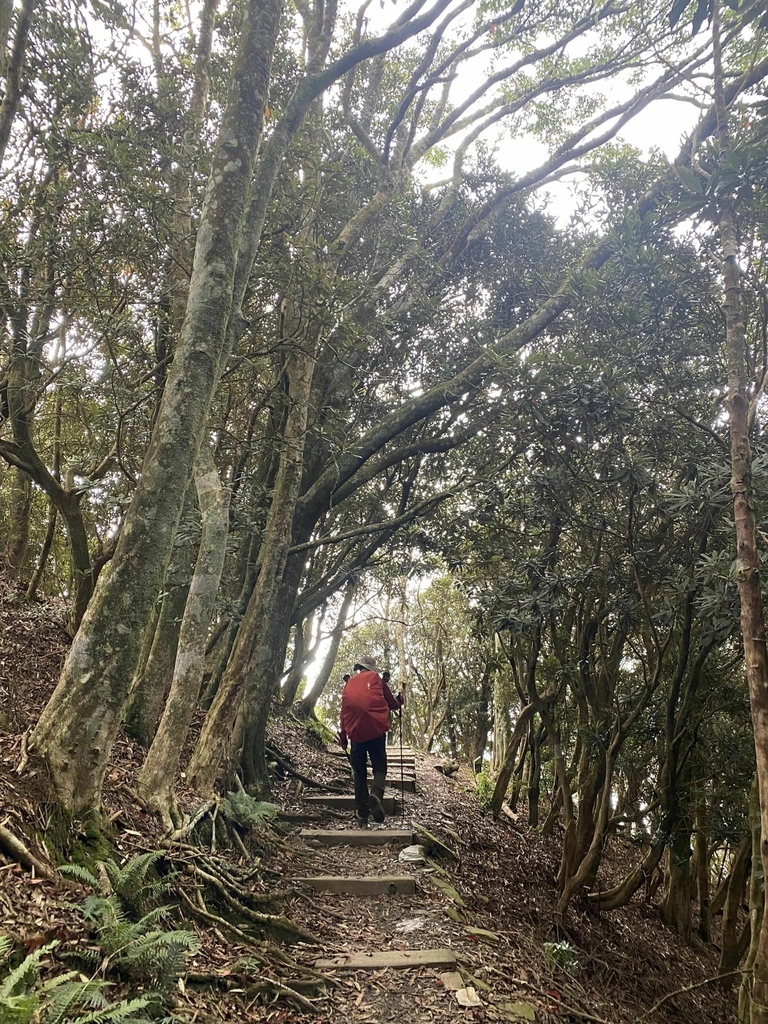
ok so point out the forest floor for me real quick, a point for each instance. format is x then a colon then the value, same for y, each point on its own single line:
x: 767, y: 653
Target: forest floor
x: 492, y: 904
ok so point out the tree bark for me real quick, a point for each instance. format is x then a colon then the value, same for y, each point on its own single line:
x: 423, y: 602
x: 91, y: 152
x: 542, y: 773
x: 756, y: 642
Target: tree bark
x: 756, y: 902
x: 15, y: 67
x: 747, y: 554
x: 249, y: 681
x: 78, y: 727
x: 310, y: 699
x: 152, y: 680
x: 159, y: 770
x: 676, y: 906
x: 729, y: 938
x: 15, y: 552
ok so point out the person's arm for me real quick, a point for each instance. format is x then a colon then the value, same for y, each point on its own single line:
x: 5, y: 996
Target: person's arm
x: 395, y: 703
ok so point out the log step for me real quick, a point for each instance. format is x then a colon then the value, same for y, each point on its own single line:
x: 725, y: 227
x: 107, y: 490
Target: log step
x: 365, y: 885
x: 398, y: 958
x: 345, y: 802
x: 359, y: 836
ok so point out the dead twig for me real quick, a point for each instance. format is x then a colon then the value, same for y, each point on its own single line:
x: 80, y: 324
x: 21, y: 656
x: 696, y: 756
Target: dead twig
x: 687, y: 988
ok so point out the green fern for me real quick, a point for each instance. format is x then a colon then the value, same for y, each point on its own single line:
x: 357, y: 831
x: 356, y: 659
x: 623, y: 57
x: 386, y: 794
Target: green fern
x: 80, y: 874
x: 27, y: 969
x: 137, y: 883
x: 137, y: 949
x: 244, y: 811
x: 64, y: 999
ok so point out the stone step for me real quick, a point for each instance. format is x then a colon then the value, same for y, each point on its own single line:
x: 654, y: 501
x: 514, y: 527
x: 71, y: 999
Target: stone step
x: 398, y: 958
x: 359, y: 836
x: 365, y: 885
x: 346, y: 802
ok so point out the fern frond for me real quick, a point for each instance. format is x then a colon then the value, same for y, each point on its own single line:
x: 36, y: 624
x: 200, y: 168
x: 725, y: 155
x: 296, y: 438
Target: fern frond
x: 160, y: 957
x: 18, y: 1009
x: 28, y: 967
x: 6, y: 946
x: 80, y: 874
x: 243, y: 810
x: 72, y: 996
x: 117, y: 1013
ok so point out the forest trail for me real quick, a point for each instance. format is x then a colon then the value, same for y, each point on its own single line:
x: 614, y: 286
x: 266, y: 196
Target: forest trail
x: 491, y: 906
x: 398, y: 953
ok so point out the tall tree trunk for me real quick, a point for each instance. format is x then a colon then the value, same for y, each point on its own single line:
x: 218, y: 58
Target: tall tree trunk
x: 756, y: 902
x: 402, y: 658
x: 311, y: 698
x: 534, y: 781
x: 249, y: 681
x: 150, y: 686
x: 159, y: 770
x: 729, y: 936
x: 676, y: 906
x: 14, y: 67
x: 78, y: 727
x: 303, y: 630
x: 747, y: 555
x: 702, y: 866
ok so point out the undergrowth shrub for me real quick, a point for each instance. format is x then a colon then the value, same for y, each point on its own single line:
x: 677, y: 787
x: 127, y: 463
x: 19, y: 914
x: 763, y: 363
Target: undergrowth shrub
x: 319, y: 731
x: 68, y: 998
x: 484, y: 786
x: 127, y: 912
x: 242, y: 809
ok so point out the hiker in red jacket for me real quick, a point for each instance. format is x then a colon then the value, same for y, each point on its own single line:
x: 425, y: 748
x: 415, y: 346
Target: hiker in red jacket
x: 365, y: 706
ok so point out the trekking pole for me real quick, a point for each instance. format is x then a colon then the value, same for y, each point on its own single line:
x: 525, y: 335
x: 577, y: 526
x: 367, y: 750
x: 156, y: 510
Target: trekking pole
x: 402, y: 774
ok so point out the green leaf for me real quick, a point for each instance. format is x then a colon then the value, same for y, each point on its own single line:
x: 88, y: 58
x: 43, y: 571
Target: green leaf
x: 690, y: 179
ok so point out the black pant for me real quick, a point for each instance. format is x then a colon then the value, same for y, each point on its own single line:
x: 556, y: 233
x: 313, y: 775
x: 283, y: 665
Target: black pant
x: 376, y: 749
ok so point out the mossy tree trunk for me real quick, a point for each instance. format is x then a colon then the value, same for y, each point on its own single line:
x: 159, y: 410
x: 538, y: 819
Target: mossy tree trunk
x: 78, y: 727
x: 250, y: 679
x: 158, y: 773
x: 153, y: 680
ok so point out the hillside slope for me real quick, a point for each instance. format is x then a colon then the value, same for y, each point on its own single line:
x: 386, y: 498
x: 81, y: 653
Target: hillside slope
x: 259, y: 933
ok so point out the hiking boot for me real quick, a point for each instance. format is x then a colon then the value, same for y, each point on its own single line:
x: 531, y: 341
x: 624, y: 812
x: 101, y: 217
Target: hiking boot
x: 377, y: 808
x: 362, y: 821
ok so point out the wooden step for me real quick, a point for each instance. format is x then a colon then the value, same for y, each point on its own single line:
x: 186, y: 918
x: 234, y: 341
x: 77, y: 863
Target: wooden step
x: 406, y: 786
x: 398, y: 958
x: 359, y: 836
x: 345, y: 802
x: 365, y: 885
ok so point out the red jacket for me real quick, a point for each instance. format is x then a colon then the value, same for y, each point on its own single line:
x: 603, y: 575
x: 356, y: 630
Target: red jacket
x: 365, y: 705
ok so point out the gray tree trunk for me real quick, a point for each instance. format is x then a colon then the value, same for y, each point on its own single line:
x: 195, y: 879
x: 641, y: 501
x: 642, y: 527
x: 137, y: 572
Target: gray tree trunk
x: 159, y: 770
x: 153, y: 680
x: 250, y: 681
x: 78, y: 727
x: 310, y: 699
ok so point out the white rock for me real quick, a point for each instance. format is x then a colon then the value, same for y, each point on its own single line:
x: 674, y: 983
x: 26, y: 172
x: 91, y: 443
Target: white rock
x: 413, y: 855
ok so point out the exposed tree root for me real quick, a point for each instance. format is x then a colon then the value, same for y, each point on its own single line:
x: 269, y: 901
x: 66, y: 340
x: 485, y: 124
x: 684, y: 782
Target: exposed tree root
x: 273, y: 754
x: 218, y: 922
x: 278, y: 988
x: 188, y: 828
x: 15, y: 848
